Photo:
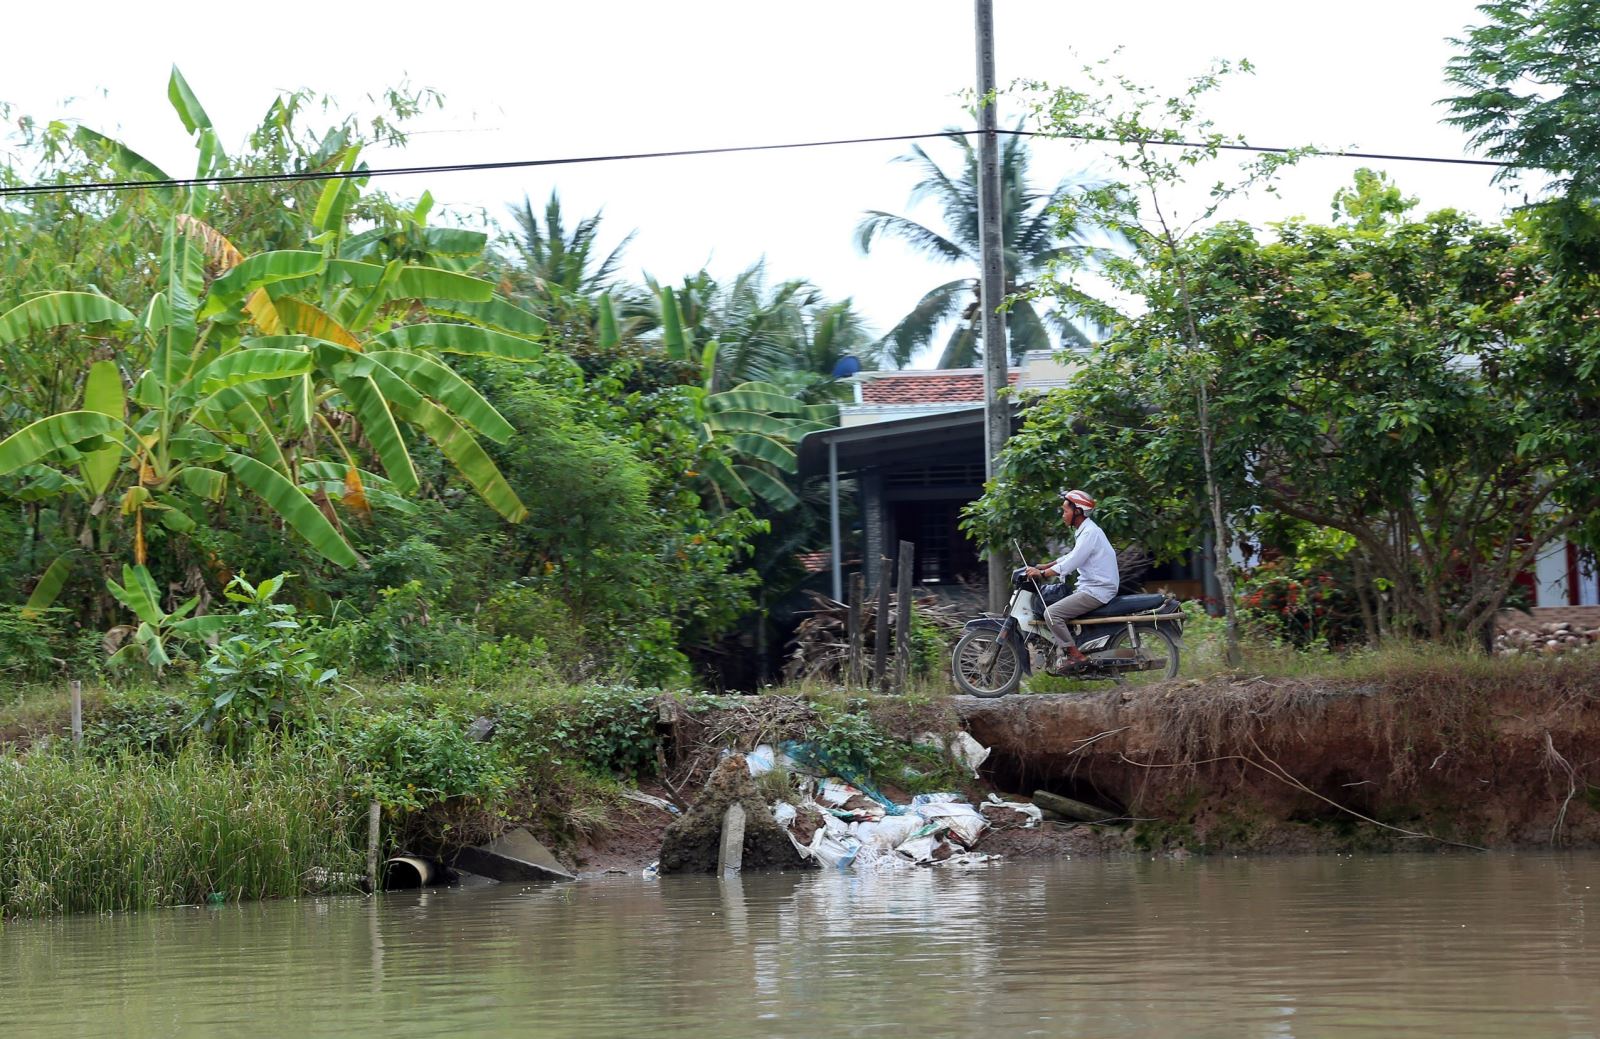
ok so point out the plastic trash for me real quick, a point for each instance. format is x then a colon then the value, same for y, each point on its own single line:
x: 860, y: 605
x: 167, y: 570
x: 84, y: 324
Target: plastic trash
x: 963, y: 820
x: 834, y: 852
x: 934, y: 799
x: 784, y: 813
x: 961, y: 747
x: 650, y: 799
x: 1032, y: 811
x: 919, y: 849
x: 968, y: 751
x: 761, y: 760
x: 651, y: 871
x: 888, y: 833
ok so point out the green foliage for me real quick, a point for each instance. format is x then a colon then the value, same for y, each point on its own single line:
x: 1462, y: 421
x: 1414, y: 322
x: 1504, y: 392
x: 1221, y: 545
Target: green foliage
x: 138, y: 722
x: 608, y: 730
x: 134, y: 832
x: 159, y: 633
x: 28, y: 642
x: 846, y: 736
x: 263, y: 674
x: 408, y: 764
x: 400, y: 636
x: 1529, y: 95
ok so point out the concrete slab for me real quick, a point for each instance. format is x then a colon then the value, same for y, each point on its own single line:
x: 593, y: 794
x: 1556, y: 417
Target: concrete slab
x: 515, y: 855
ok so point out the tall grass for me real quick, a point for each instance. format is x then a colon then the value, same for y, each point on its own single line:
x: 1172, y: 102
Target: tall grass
x: 137, y: 832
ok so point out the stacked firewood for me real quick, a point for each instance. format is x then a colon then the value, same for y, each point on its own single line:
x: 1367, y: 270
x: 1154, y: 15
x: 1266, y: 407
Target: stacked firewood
x: 1550, y: 638
x: 820, y: 647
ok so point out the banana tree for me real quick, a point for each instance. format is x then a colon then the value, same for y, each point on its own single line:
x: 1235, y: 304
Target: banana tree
x: 748, y: 432
x: 256, y: 373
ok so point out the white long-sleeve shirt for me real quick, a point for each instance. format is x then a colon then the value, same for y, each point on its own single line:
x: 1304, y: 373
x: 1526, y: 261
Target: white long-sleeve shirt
x: 1092, y: 557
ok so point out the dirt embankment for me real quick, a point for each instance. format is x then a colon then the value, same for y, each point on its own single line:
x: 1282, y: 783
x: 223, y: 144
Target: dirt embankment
x: 1489, y: 759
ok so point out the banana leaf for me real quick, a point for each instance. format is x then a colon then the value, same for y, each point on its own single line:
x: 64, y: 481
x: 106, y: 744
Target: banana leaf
x: 496, y: 313
x: 458, y: 396
x: 767, y: 487
x: 43, y: 438
x: 372, y: 408
x: 469, y: 458
x: 54, y: 309
x: 49, y: 587
x: 457, y: 339
x: 297, y: 510
x: 765, y: 449
x: 102, y: 392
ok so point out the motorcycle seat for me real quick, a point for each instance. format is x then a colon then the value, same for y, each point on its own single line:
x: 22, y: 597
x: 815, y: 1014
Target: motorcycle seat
x: 1123, y: 605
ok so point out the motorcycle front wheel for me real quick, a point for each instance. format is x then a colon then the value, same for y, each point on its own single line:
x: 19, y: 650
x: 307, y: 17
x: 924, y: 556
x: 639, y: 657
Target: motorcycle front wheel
x: 986, y: 664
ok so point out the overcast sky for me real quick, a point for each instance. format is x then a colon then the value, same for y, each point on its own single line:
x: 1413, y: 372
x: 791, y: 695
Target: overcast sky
x: 540, y: 80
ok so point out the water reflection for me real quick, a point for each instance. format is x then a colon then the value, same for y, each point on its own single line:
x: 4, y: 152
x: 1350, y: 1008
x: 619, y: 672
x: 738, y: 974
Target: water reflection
x: 1433, y: 945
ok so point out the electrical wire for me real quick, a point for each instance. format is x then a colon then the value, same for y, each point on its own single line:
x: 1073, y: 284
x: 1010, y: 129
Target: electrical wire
x: 474, y: 167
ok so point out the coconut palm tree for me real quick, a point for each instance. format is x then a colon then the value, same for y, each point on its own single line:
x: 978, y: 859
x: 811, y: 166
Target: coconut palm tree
x: 557, y: 271
x: 1031, y: 236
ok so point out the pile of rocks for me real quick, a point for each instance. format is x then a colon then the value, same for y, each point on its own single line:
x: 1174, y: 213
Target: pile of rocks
x: 1550, y: 638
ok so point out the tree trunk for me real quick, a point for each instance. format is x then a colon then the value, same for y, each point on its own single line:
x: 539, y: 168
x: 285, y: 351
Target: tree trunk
x: 1219, y: 532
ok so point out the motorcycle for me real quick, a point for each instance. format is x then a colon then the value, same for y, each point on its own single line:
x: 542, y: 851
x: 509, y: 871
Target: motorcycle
x: 1135, y: 638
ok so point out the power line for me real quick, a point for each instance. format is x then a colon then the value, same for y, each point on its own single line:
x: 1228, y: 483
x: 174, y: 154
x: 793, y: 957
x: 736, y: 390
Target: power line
x: 474, y: 167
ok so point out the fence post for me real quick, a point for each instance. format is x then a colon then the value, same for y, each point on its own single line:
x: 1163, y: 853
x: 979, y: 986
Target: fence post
x: 902, y: 620
x: 77, y: 712
x: 880, y: 658
x: 858, y: 583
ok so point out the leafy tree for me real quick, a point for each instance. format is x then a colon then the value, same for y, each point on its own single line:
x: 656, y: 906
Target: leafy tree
x: 1034, y: 235
x: 1529, y: 95
x: 1414, y: 386
x: 1148, y: 133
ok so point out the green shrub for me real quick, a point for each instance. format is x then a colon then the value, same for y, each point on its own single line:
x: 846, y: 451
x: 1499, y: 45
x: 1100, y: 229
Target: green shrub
x: 27, y: 643
x: 145, y: 723
x: 402, y: 635
x: 605, y: 730
x: 410, y: 764
x: 263, y: 674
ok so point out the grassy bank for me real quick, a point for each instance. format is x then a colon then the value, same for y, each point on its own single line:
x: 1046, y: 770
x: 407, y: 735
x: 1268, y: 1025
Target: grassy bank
x: 81, y: 834
x: 154, y: 810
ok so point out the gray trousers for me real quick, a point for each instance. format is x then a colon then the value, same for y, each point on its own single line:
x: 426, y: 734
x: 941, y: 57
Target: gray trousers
x: 1058, y: 613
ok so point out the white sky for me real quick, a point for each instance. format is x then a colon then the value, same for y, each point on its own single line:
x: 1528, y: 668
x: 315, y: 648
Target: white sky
x: 541, y: 79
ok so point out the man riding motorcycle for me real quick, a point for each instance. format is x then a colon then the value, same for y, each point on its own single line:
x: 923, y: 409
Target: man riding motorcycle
x: 1095, y: 562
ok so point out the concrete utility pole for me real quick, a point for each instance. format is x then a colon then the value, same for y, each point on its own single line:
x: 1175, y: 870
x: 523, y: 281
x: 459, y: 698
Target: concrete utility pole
x: 996, y: 412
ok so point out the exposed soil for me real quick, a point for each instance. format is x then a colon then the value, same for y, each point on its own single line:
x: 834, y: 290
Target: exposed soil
x: 1294, y: 765
x: 691, y: 844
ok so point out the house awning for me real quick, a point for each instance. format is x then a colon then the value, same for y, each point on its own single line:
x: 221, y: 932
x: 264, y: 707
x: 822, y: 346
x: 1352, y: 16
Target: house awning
x: 878, y: 443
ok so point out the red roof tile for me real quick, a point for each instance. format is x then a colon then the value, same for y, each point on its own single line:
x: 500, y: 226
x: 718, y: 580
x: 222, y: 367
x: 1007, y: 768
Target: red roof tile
x: 927, y: 388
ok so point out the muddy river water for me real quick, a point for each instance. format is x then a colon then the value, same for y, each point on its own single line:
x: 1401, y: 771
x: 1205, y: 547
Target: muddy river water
x: 1426, y: 945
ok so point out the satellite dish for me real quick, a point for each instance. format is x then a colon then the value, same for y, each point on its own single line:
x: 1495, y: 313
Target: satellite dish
x: 848, y: 365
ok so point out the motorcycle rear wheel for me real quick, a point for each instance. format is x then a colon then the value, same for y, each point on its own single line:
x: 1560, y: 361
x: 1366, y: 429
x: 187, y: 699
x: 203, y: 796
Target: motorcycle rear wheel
x: 1152, y: 647
x: 1002, y: 675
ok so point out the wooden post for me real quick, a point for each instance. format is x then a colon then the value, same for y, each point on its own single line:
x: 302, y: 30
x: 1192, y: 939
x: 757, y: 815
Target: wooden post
x: 880, y: 656
x: 77, y: 712
x: 902, y: 619
x: 374, y: 822
x: 858, y: 585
